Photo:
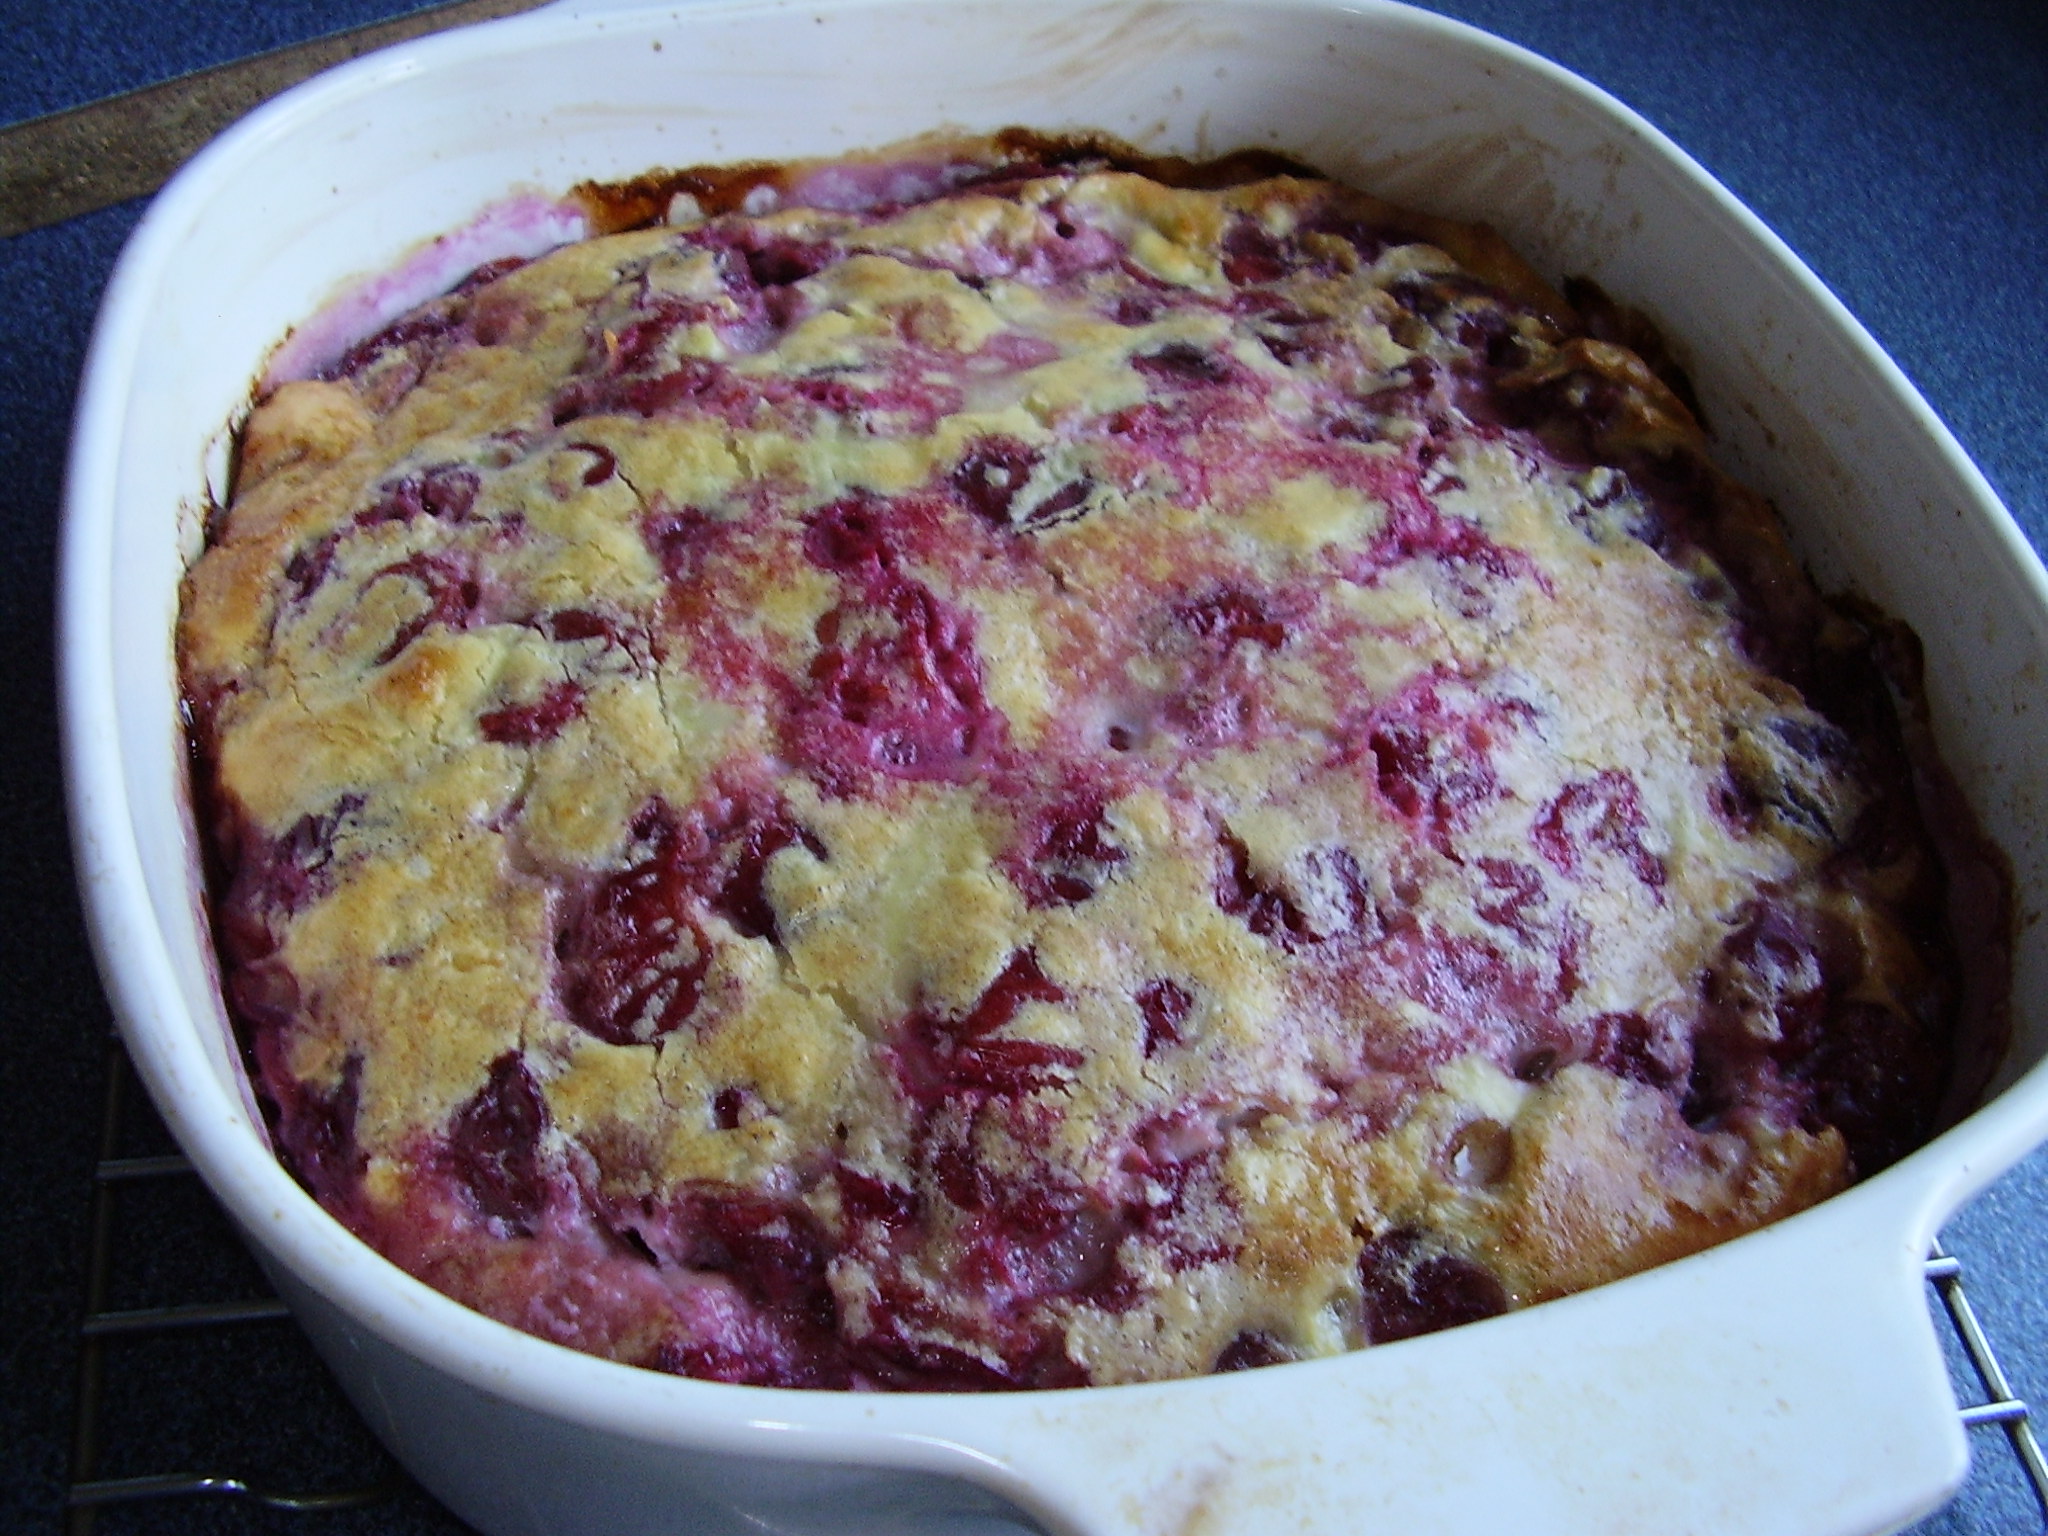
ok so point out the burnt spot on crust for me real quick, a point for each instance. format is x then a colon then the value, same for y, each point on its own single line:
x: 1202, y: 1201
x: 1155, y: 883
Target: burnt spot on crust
x: 1003, y: 163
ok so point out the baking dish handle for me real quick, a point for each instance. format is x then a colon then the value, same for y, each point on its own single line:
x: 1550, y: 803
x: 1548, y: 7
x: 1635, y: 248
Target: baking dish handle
x: 1790, y: 1382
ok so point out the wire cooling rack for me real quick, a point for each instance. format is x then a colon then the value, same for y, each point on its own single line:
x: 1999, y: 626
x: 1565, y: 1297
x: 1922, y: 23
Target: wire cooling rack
x: 292, y: 1490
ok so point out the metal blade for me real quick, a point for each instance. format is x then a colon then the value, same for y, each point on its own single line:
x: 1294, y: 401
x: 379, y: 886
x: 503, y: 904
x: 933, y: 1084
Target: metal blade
x: 56, y: 167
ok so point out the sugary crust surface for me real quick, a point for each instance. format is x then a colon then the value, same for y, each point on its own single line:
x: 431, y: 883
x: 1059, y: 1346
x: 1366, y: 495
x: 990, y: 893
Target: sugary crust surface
x: 1026, y: 776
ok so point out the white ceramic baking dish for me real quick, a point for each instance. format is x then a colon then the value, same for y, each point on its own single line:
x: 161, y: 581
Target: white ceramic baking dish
x: 1789, y: 1382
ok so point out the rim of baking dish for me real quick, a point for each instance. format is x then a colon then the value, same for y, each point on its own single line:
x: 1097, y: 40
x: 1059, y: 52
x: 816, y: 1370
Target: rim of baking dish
x: 1907, y: 1202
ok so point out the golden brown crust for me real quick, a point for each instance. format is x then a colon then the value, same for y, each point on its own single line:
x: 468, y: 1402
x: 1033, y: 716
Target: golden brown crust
x: 1071, y: 772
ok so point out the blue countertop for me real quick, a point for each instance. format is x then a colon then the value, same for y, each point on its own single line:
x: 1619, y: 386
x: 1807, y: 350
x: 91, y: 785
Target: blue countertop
x: 1900, y: 147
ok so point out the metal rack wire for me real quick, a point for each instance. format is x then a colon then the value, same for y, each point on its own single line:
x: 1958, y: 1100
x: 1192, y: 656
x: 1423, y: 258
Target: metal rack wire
x: 102, y: 1326
x: 2000, y: 1408
x: 90, y: 1492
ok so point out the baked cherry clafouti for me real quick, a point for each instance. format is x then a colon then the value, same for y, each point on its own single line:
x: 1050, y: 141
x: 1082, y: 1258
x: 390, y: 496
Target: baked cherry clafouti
x: 1005, y: 764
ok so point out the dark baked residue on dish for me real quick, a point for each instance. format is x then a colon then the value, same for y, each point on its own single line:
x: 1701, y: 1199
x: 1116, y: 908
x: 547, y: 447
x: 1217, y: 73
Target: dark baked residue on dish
x: 1004, y: 765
